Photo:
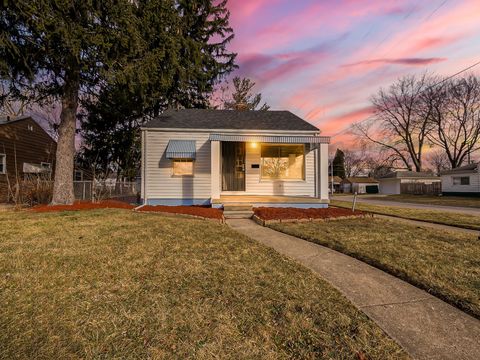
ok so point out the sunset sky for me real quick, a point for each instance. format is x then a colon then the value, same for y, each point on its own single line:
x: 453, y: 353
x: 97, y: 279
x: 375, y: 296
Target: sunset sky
x: 322, y: 60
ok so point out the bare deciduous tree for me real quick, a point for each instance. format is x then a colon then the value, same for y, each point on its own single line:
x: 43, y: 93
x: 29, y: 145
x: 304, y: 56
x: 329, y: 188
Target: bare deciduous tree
x: 355, y: 162
x: 438, y: 160
x: 400, y: 123
x: 456, y: 118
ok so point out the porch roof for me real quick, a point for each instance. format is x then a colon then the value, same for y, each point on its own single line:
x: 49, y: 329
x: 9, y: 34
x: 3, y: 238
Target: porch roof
x: 281, y: 139
x: 181, y: 149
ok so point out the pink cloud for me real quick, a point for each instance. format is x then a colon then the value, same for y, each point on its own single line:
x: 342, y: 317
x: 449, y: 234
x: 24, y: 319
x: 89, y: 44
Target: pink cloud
x: 339, y: 122
x: 401, y: 61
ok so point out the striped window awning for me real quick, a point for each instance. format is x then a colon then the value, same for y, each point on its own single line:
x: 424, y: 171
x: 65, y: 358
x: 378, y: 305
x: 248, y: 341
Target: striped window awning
x: 181, y: 149
x: 281, y: 139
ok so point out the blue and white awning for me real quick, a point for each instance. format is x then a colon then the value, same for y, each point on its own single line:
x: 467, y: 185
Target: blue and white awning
x: 281, y: 139
x: 181, y: 149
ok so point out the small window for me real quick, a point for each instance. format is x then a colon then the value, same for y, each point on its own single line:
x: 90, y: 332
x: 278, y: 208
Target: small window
x: 182, y: 167
x: 3, y: 164
x: 78, y: 175
x: 30, y: 127
x: 46, y: 166
x: 283, y: 162
x: 461, y: 180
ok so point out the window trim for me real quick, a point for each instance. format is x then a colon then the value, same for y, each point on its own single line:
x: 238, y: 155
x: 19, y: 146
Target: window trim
x: 270, y: 179
x: 173, y: 175
x: 46, y: 163
x: 460, y: 179
x: 4, y: 163
x: 75, y: 175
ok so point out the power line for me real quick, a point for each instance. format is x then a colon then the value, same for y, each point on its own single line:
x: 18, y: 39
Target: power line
x: 388, y: 35
x: 431, y: 86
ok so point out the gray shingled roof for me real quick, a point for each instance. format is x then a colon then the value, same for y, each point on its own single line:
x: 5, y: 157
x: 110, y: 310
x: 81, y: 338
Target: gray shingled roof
x: 229, y: 119
x: 5, y: 120
x: 408, y: 174
x: 470, y: 168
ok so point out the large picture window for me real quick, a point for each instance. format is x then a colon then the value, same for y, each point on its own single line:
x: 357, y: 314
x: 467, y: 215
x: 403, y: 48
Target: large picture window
x: 283, y: 162
x: 182, y: 167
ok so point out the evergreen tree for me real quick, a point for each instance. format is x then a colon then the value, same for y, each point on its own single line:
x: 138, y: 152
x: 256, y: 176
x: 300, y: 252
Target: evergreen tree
x: 183, y: 54
x: 243, y: 98
x: 59, y: 50
x: 339, y: 164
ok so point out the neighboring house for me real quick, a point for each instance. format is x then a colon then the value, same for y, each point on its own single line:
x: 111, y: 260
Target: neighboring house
x: 197, y: 156
x: 336, y: 182
x: 360, y: 185
x: 402, y: 182
x: 26, y: 150
x: 462, y: 181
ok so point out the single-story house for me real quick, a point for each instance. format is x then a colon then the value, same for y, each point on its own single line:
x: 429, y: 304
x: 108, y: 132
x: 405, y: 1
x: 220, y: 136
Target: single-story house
x: 400, y: 182
x: 462, y: 181
x: 201, y: 157
x: 360, y: 185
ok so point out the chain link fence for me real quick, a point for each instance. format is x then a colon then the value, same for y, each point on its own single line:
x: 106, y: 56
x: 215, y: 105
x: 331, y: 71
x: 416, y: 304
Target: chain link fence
x: 100, y: 190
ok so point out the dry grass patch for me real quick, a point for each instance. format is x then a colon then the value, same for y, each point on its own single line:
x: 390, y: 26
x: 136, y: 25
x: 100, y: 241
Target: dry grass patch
x: 446, y: 264
x: 432, y: 200
x: 118, y: 284
x: 433, y: 216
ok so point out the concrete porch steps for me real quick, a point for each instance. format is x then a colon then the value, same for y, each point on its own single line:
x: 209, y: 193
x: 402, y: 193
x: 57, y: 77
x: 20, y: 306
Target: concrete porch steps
x: 238, y: 211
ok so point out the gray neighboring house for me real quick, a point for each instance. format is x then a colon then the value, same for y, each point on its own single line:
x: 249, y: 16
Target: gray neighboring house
x: 391, y: 183
x: 202, y: 157
x: 462, y: 181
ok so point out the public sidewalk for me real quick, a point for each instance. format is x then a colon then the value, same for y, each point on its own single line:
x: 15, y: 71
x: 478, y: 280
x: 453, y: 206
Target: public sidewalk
x: 425, y: 326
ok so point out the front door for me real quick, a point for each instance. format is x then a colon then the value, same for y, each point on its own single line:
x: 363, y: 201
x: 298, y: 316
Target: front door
x: 233, y: 166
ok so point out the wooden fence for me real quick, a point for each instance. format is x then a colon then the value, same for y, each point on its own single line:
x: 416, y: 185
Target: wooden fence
x: 434, y: 188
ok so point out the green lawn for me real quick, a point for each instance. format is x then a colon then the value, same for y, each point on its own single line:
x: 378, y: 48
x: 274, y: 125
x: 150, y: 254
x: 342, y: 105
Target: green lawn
x: 432, y: 200
x: 434, y: 216
x: 444, y: 263
x: 117, y: 284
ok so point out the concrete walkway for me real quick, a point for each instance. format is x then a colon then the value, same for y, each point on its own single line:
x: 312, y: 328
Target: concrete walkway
x: 407, y: 205
x: 426, y: 327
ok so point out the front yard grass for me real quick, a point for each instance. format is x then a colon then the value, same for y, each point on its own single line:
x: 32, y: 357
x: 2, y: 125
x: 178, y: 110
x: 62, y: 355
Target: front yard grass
x: 439, y: 217
x: 118, y: 284
x: 432, y: 200
x: 446, y: 264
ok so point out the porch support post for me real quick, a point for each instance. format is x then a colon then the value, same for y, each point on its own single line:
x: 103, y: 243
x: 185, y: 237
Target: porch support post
x: 215, y: 169
x: 323, y: 172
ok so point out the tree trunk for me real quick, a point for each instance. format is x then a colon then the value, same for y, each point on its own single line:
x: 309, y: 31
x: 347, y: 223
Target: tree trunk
x: 64, y: 163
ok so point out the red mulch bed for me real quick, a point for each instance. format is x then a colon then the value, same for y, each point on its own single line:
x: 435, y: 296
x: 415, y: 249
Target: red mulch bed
x: 84, y: 205
x: 201, y: 211
x: 274, y: 213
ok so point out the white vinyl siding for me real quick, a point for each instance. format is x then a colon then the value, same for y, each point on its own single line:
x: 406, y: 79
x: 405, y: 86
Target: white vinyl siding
x: 448, y: 184
x: 159, y: 182
x: 389, y: 186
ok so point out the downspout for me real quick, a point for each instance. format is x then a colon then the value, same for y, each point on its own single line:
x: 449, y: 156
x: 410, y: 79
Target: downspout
x: 315, y: 156
x: 319, y: 193
x: 144, y: 166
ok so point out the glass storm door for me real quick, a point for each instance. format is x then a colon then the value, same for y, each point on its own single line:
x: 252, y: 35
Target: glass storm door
x: 233, y: 166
